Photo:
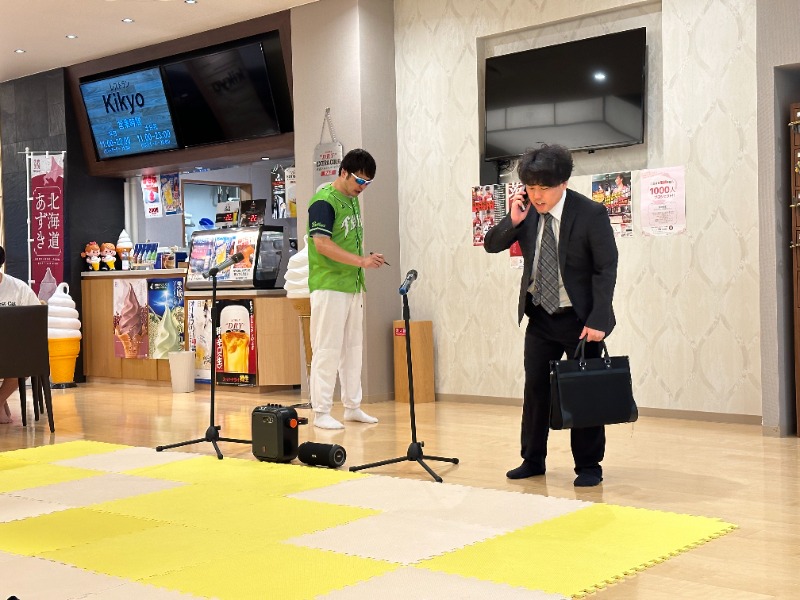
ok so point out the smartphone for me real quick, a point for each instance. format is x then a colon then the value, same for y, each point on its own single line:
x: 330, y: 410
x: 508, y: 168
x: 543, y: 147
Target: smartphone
x: 525, y: 200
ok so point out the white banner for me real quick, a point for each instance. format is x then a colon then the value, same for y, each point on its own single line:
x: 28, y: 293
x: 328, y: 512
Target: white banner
x: 327, y: 158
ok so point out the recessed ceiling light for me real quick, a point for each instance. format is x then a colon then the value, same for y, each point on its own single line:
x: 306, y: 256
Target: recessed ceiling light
x: 19, y: 51
x: 265, y: 158
x: 72, y: 36
x: 600, y: 76
x: 190, y: 1
x: 127, y: 20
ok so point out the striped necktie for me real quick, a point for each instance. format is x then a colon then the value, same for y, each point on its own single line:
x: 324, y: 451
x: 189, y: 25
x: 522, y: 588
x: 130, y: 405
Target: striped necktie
x: 545, y: 289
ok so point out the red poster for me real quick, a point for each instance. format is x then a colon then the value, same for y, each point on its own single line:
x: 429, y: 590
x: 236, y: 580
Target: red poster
x: 47, y: 217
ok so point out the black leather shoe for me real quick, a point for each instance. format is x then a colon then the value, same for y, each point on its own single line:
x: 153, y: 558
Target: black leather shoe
x: 525, y: 470
x: 587, y: 480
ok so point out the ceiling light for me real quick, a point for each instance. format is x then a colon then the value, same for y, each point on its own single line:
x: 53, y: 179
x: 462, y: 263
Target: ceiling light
x: 127, y: 20
x: 190, y: 1
x: 600, y: 76
x: 72, y: 36
x: 19, y: 51
x: 265, y: 158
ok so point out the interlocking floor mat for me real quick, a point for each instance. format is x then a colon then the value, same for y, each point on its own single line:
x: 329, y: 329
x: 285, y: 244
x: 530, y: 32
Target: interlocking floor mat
x: 106, y: 522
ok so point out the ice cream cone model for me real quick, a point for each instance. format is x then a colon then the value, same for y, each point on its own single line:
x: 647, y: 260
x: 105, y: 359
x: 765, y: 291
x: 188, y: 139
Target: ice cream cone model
x: 63, y: 336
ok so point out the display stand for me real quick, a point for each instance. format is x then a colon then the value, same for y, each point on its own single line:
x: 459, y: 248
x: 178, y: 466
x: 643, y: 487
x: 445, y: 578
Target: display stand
x: 212, y: 433
x: 415, y: 452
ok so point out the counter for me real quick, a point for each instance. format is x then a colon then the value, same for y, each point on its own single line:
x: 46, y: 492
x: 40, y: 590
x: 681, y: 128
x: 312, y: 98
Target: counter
x: 276, y: 322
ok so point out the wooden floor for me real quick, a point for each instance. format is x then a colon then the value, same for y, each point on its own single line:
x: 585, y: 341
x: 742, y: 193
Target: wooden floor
x: 727, y: 471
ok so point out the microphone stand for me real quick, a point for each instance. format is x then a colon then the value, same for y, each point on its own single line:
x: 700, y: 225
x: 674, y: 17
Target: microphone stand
x: 212, y: 433
x: 415, y: 452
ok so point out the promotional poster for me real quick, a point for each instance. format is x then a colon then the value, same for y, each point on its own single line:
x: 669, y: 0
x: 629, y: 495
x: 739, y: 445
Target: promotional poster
x: 165, y: 316
x: 199, y: 331
x: 236, y: 358
x: 131, y: 338
x: 151, y: 195
x: 663, y: 206
x: 171, y: 193
x: 614, y: 191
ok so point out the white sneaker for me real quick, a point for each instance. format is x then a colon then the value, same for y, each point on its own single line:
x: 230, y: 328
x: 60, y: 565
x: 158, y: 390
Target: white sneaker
x: 356, y: 414
x: 325, y: 421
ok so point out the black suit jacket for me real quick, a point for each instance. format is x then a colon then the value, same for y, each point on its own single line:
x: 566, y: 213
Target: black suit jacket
x: 587, y: 257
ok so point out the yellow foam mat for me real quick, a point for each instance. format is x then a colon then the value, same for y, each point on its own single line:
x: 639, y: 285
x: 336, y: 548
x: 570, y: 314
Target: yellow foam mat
x: 36, y: 475
x: 268, y: 478
x: 64, y: 451
x: 251, y: 514
x: 583, y: 551
x: 225, y: 532
x: 269, y: 571
x: 64, y: 529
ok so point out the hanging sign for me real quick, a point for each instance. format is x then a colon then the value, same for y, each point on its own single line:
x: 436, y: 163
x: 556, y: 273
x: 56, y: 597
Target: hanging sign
x: 47, y: 217
x: 151, y: 195
x: 327, y: 156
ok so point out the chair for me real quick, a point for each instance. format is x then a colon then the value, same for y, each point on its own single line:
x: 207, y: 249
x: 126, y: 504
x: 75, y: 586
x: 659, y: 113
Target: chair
x: 24, y: 353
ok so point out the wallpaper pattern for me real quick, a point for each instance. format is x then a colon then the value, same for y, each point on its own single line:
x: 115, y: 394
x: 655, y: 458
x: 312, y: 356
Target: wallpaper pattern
x: 687, y: 306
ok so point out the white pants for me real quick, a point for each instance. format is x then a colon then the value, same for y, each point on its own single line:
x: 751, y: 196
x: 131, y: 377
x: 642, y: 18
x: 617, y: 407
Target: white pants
x: 336, y: 344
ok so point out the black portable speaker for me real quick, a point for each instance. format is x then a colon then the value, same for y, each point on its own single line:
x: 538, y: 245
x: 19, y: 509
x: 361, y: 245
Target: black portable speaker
x: 275, y: 432
x: 321, y: 455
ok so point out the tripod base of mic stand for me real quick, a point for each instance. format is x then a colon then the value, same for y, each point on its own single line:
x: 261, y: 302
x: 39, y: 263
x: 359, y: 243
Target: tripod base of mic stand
x: 212, y: 435
x: 414, y: 454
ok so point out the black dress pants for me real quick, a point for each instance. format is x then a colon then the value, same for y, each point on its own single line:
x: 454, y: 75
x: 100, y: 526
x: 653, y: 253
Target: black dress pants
x: 550, y: 337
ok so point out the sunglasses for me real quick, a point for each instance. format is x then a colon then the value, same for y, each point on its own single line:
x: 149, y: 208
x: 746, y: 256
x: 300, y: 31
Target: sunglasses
x: 361, y: 181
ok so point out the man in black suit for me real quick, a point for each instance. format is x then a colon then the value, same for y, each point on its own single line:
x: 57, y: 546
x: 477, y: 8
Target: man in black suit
x: 566, y: 291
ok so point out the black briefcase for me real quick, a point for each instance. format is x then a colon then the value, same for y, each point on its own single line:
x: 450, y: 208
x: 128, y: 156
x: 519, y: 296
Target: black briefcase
x: 588, y: 392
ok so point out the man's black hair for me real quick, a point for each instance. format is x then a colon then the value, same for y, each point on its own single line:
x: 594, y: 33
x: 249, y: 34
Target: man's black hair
x: 358, y: 161
x: 2, y: 256
x: 549, y: 165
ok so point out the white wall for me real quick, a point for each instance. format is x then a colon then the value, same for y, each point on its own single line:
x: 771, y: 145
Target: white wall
x: 687, y: 305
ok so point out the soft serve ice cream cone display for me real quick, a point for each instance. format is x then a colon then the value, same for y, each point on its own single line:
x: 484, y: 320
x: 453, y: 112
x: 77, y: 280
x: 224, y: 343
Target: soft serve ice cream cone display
x: 124, y: 250
x: 296, y: 287
x: 167, y: 338
x: 63, y: 335
x: 130, y: 327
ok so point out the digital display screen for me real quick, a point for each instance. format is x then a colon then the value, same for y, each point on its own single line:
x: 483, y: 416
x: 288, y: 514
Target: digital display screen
x: 594, y: 97
x: 129, y: 114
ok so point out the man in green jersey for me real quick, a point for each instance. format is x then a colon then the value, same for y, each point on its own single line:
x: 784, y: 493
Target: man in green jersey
x: 336, y: 264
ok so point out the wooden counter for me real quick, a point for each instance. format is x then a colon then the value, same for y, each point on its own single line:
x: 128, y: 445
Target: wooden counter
x: 277, y: 333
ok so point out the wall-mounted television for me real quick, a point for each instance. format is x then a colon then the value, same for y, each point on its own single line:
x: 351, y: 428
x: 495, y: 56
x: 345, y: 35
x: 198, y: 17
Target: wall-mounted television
x: 222, y: 96
x: 586, y: 95
x: 128, y: 114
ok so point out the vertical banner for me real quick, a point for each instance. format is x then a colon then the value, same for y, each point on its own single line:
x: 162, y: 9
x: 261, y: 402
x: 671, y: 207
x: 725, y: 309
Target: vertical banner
x: 165, y: 316
x: 171, y: 193
x: 327, y: 158
x: 614, y: 191
x: 291, y: 191
x: 130, y: 318
x: 47, y: 217
x: 235, y: 354
x: 663, y: 206
x: 151, y: 195
x: 200, y: 331
x: 278, y: 182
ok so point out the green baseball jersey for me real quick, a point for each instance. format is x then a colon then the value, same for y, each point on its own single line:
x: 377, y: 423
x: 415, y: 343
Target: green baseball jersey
x: 337, y: 216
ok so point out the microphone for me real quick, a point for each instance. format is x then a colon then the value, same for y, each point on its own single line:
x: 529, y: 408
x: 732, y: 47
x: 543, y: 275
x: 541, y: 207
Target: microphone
x: 229, y: 262
x: 410, y: 277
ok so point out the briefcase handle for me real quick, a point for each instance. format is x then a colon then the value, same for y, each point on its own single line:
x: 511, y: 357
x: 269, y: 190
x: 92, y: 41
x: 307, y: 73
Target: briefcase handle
x: 580, y: 354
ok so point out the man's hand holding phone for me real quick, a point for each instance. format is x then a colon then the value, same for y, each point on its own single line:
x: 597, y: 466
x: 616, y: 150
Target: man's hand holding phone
x: 519, y: 206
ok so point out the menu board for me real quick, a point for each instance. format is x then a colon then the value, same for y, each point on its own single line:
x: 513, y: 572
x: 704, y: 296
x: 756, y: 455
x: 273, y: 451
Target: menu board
x: 128, y: 114
x: 212, y: 247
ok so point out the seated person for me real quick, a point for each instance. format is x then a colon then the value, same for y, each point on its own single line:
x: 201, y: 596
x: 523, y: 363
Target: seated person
x: 13, y: 292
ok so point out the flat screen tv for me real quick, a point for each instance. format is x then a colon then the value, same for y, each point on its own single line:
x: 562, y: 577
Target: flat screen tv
x: 128, y: 114
x: 222, y: 96
x: 585, y: 95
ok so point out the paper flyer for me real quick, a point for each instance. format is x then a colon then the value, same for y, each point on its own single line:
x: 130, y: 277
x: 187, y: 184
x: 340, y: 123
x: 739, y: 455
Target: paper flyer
x: 663, y: 205
x: 614, y: 191
x: 165, y: 316
x: 483, y: 212
x: 151, y: 195
x: 171, y: 193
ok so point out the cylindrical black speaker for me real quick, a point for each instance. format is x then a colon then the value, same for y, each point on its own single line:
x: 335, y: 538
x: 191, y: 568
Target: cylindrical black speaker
x: 321, y: 455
